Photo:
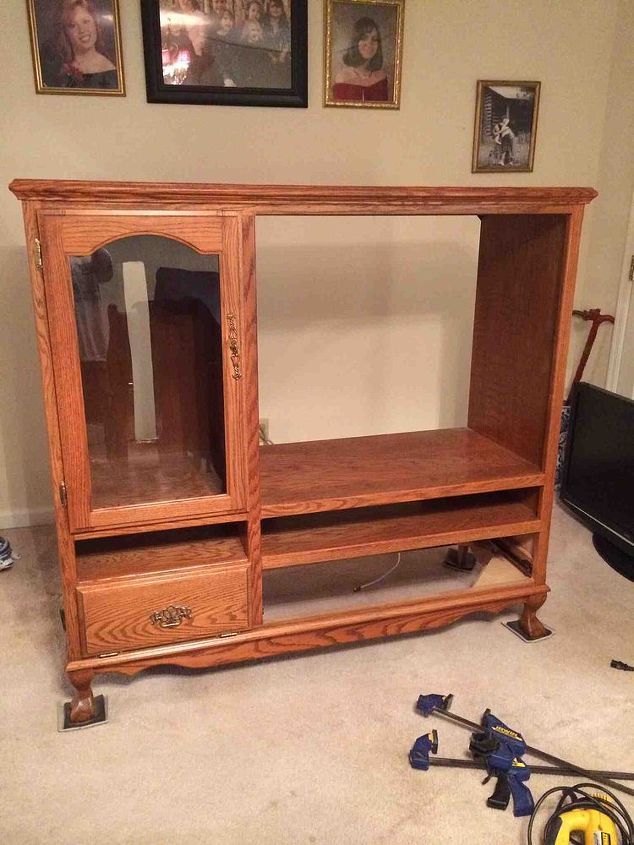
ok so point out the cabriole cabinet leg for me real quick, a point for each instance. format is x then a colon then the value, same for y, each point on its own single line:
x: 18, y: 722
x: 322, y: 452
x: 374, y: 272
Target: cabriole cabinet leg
x: 82, y: 706
x: 530, y: 626
x: 85, y: 709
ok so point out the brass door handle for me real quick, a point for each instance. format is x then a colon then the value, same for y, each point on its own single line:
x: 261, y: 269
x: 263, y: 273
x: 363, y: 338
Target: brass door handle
x: 234, y: 347
x: 171, y: 617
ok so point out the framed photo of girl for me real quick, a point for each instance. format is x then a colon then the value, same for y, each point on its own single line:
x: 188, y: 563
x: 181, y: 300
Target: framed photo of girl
x: 226, y: 52
x: 363, y: 53
x: 505, y: 126
x: 76, y: 46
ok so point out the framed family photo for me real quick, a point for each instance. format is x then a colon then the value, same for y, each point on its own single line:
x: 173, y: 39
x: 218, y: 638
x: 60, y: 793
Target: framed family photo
x: 226, y: 52
x: 76, y: 46
x: 505, y: 126
x: 363, y: 53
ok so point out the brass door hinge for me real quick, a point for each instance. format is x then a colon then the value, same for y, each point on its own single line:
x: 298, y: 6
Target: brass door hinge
x: 63, y: 495
x: 108, y: 654
x: 632, y: 269
x: 37, y: 252
x: 224, y: 635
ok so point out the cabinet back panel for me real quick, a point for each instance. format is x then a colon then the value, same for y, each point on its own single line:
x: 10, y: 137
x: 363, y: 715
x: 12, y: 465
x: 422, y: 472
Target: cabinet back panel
x: 364, y: 324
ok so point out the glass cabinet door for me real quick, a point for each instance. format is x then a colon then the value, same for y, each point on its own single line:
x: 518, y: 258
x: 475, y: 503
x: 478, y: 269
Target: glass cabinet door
x: 145, y: 330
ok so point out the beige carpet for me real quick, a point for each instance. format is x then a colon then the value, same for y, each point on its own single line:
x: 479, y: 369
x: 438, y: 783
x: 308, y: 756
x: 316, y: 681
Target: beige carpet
x: 308, y: 749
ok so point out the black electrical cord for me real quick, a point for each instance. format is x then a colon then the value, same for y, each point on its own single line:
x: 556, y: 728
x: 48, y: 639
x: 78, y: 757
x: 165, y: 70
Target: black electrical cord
x: 576, y: 797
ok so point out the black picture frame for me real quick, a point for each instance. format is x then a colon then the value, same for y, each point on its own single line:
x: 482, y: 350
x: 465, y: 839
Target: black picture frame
x: 295, y: 95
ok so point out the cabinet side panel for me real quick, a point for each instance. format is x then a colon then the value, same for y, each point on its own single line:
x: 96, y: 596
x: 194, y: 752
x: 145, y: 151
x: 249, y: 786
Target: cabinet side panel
x: 65, y: 545
x: 252, y: 539
x: 520, y: 282
x: 552, y: 435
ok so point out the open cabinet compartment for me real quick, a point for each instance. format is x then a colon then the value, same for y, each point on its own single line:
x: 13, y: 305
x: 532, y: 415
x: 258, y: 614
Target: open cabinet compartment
x: 516, y: 326
x: 156, y: 552
x: 315, y: 538
x: 408, y: 578
x: 349, y: 498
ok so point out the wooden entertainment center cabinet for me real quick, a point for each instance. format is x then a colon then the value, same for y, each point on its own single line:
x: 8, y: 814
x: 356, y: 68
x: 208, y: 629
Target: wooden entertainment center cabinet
x: 169, y: 511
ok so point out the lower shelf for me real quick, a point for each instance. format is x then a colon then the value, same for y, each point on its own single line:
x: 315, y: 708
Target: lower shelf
x: 312, y: 538
x: 379, y: 581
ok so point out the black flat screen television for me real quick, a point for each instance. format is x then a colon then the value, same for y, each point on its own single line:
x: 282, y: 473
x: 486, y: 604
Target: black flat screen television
x: 598, y: 475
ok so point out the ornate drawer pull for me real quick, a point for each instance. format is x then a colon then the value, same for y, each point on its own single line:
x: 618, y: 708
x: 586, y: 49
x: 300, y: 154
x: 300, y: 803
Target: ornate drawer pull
x: 233, y: 345
x: 171, y: 617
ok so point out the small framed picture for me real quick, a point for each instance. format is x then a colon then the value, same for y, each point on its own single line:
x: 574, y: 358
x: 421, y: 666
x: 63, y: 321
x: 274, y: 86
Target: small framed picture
x: 76, y: 47
x: 226, y: 52
x: 505, y: 126
x: 363, y: 53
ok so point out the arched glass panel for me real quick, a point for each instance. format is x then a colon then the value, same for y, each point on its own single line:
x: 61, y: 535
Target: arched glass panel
x: 148, y: 318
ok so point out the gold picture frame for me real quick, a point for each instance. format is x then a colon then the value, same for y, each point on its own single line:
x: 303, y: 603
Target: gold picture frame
x: 76, y: 47
x: 363, y: 53
x: 505, y: 126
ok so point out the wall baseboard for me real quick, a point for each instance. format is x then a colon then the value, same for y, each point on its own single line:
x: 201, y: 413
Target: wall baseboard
x: 26, y: 518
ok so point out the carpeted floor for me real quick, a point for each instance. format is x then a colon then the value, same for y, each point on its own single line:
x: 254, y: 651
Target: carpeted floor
x: 309, y: 749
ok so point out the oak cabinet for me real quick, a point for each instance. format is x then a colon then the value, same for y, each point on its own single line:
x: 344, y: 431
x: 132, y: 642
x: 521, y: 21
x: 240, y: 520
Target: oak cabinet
x: 170, y: 515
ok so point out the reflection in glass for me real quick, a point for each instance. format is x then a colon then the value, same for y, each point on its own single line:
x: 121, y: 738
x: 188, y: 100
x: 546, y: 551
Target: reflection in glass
x: 148, y: 320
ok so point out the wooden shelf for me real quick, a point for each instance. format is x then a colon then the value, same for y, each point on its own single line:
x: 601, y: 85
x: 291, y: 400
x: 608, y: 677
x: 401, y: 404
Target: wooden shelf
x: 354, y: 472
x: 169, y: 477
x: 155, y: 553
x: 300, y: 540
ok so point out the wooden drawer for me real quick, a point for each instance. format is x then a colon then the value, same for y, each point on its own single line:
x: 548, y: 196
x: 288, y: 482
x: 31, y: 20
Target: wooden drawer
x: 126, y: 615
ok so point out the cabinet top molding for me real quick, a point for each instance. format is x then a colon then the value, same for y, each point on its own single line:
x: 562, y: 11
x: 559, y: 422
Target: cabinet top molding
x: 307, y: 199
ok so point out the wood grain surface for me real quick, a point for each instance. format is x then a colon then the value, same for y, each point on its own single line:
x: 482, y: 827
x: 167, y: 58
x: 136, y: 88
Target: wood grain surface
x: 65, y: 358
x: 116, y: 558
x: 356, y: 471
x: 84, y: 235
x: 520, y: 283
x: 147, y: 475
x: 320, y: 632
x: 307, y: 199
x: 117, y: 616
x: 291, y: 541
x: 252, y: 536
x: 140, y: 528
x: 558, y: 376
x: 65, y: 545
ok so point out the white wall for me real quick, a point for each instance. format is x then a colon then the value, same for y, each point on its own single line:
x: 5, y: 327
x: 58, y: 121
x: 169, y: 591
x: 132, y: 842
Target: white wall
x: 615, y: 181
x: 365, y: 324
x: 573, y: 47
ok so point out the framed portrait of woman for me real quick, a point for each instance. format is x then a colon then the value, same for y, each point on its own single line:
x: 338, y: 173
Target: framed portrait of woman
x: 363, y: 53
x: 76, y: 47
x: 226, y: 52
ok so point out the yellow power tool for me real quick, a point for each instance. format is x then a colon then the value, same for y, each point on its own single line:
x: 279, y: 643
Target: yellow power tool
x: 597, y: 828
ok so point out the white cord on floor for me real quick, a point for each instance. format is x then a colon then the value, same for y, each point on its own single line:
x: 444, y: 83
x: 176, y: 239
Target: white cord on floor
x: 380, y: 578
